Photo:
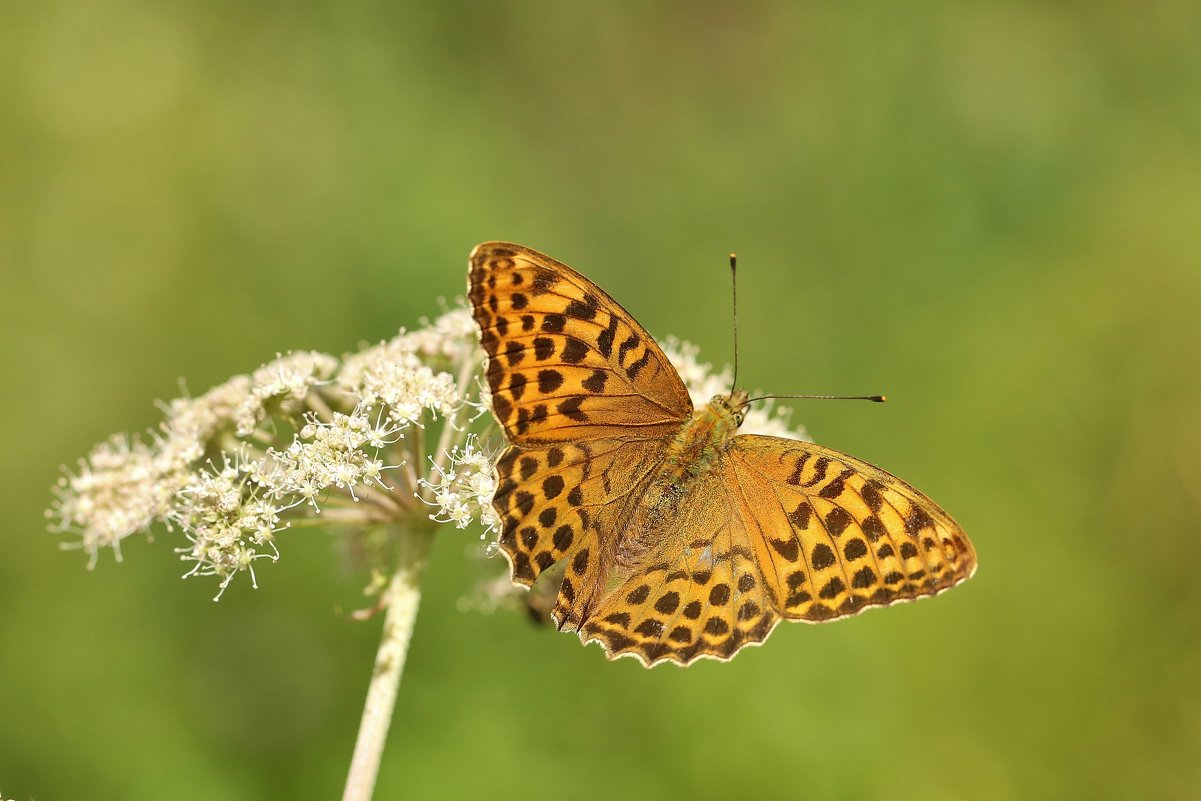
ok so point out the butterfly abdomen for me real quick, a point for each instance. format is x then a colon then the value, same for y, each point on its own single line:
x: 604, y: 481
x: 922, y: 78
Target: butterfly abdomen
x: 695, y: 451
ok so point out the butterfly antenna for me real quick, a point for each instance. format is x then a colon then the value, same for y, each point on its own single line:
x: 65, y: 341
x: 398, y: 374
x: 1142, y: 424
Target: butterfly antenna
x: 873, y: 398
x: 734, y: 294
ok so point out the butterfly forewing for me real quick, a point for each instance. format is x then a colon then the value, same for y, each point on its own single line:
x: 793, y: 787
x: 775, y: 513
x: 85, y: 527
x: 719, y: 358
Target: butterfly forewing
x: 565, y: 361
x: 587, y: 400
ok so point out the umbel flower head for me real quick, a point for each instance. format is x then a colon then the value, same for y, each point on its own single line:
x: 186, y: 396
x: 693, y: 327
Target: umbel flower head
x: 306, y: 438
x: 390, y: 434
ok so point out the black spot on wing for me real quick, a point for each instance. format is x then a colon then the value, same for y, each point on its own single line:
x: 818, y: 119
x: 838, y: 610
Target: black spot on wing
x: 604, y: 342
x: 801, y: 515
x: 636, y: 367
x: 822, y: 557
x: 639, y: 595
x: 544, y: 280
x: 529, y: 466
x: 789, y: 549
x: 573, y: 351
x: 820, y: 467
x: 502, y: 407
x: 832, y: 588
x: 538, y: 416
x: 719, y: 595
x: 570, y: 408
x: 595, y: 383
x: 854, y: 549
x: 628, y: 345
x: 552, y: 486
x: 563, y: 538
x: 836, y: 487
x: 517, y: 384
x: 795, y: 478
x: 584, y: 310
x: 549, y: 381
x: 837, y: 521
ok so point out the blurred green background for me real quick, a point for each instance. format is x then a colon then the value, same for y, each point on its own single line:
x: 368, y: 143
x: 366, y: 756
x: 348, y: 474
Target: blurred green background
x: 990, y: 211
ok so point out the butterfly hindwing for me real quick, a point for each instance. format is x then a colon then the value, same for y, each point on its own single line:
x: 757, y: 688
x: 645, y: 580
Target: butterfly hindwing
x: 834, y: 534
x: 565, y: 501
x: 565, y: 361
x: 780, y: 529
x: 701, y: 594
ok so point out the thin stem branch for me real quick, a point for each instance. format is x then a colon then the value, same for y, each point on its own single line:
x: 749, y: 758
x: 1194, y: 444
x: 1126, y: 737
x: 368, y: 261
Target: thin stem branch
x: 418, y: 455
x: 355, y: 516
x: 231, y: 444
x: 409, y: 474
x: 402, y: 596
x: 319, y: 407
x: 385, y: 499
x: 449, y: 427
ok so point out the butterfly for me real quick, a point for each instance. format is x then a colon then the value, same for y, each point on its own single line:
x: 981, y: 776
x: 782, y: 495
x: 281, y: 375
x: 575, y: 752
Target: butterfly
x: 678, y: 538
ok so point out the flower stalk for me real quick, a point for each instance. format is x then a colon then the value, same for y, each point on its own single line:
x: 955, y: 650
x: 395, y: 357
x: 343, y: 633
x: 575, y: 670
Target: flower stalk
x: 401, y: 598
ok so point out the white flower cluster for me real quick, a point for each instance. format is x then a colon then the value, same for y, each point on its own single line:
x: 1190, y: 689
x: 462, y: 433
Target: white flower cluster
x: 231, y: 512
x: 703, y: 383
x: 123, y: 487
x: 126, y: 485
x: 227, y: 517
x: 463, y: 489
x: 392, y: 375
x: 340, y: 453
x: 306, y: 438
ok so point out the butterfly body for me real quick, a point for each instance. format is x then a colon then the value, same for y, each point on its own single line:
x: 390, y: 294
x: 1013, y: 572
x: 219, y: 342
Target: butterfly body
x: 681, y: 538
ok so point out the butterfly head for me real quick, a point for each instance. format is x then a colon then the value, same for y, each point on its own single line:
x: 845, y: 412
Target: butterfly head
x: 699, y: 442
x: 730, y: 407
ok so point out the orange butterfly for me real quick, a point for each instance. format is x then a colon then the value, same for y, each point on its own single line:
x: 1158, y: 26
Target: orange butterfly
x: 682, y: 538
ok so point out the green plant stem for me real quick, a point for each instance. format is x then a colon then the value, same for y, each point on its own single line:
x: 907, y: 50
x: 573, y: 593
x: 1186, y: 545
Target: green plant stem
x: 402, y: 597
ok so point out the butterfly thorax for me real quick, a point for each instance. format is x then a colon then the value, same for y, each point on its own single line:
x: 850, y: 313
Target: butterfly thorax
x: 696, y: 449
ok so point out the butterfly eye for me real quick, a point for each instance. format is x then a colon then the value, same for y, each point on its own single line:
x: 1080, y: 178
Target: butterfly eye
x: 739, y: 417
